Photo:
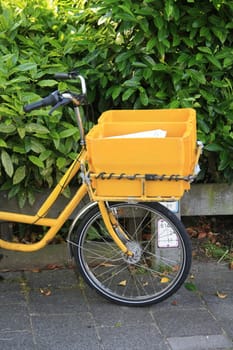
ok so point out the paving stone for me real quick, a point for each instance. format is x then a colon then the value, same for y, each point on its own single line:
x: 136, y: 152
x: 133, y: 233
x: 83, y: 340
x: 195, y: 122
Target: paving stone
x: 58, y: 302
x: 59, y: 278
x: 16, y: 340
x: 75, y: 317
x: 14, y: 317
x: 65, y: 331
x: 144, y: 337
x: 209, y: 342
x: 110, y: 315
x: 179, y: 323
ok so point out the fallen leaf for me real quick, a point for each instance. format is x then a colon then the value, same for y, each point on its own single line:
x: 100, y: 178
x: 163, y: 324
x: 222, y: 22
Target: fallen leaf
x: 191, y: 232
x: 53, y: 267
x: 202, y: 235
x: 106, y: 265
x: 175, y: 268
x: 174, y: 303
x: 231, y: 265
x: 118, y: 324
x: 212, y: 237
x: 221, y: 295
x: 45, y: 291
x: 190, y: 286
x: 123, y: 283
x: 36, y: 270
x: 164, y: 280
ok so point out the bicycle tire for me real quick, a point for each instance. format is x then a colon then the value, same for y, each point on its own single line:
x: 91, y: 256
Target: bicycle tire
x: 160, y: 238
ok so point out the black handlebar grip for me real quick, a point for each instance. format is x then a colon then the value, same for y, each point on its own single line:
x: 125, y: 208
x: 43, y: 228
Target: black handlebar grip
x: 62, y: 76
x: 70, y: 75
x: 50, y: 100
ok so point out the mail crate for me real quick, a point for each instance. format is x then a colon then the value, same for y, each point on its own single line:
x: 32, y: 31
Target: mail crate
x: 151, y: 115
x: 112, y: 149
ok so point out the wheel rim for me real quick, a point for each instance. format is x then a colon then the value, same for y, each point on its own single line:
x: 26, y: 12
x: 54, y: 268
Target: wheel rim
x: 152, y: 277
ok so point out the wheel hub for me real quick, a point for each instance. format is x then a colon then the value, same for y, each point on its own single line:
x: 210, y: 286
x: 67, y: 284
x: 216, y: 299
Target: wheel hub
x: 136, y: 249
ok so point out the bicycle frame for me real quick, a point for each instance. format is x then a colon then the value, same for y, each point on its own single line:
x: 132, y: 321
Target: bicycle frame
x: 40, y: 218
x: 54, y: 224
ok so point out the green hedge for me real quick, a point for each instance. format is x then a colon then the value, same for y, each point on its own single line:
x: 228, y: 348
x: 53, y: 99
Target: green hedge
x: 134, y: 54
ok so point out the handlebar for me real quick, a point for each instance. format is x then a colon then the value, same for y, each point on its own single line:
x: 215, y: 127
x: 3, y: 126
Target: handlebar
x: 50, y: 100
x: 72, y: 75
x: 57, y: 99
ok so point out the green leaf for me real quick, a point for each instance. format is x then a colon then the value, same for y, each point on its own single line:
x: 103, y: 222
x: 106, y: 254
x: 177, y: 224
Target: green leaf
x: 7, y: 129
x: 123, y: 56
x: 116, y: 92
x: 220, y: 33
x: 2, y: 143
x: 139, y: 64
x: 26, y: 66
x: 227, y: 62
x: 31, y: 197
x: 214, y: 147
x: 144, y: 98
x: 7, y: 163
x: 37, y: 146
x: 205, y: 49
x: 22, y: 197
x: 21, y: 132
x: 45, y: 155
x: 207, y: 96
x: 48, y: 82
x: 149, y: 60
x: 203, y: 125
x: 147, y: 73
x: 190, y: 286
x: 19, y: 149
x: 19, y: 175
x: 126, y: 95
x: 61, y: 162
x: 224, y: 160
x: 36, y: 161
x: 214, y: 61
x: 36, y: 128
x: 134, y: 83
x: 13, y: 191
x: 205, y: 32
x: 151, y: 43
x: 67, y: 133
x: 218, y: 83
x: 161, y: 67
x: 169, y: 8
x: 5, y: 110
x: 127, y: 10
x: 197, y: 75
x: 158, y: 20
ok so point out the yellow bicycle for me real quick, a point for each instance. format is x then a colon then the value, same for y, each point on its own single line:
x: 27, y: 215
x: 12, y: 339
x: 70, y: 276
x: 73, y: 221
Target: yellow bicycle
x: 127, y: 246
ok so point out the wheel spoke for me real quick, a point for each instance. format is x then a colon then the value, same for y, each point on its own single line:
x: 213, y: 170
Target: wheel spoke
x: 149, y: 276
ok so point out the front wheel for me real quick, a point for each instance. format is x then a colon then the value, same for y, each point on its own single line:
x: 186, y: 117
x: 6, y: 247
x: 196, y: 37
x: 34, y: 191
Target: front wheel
x: 159, y: 267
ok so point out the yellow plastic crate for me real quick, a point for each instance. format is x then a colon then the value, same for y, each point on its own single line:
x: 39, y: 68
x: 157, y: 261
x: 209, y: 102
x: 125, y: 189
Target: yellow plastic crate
x: 138, y: 189
x: 173, y: 155
x: 149, y: 115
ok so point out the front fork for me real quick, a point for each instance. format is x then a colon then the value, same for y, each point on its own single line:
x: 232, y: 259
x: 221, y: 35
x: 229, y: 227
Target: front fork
x: 114, y: 229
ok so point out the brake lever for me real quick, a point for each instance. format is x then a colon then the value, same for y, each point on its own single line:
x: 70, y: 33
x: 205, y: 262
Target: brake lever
x: 63, y: 102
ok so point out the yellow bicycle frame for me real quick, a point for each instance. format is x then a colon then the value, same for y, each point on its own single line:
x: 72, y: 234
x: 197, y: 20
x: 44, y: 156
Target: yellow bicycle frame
x: 41, y: 219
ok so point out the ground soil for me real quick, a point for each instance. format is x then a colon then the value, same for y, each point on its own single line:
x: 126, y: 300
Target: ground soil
x: 214, y: 230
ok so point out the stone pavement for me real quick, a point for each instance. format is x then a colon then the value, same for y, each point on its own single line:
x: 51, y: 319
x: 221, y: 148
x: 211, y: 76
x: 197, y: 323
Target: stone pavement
x: 52, y: 310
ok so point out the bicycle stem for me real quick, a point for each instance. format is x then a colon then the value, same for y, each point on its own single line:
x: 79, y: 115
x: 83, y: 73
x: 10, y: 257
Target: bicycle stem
x: 80, y: 125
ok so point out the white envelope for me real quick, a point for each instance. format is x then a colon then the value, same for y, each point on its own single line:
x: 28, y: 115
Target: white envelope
x: 158, y: 133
